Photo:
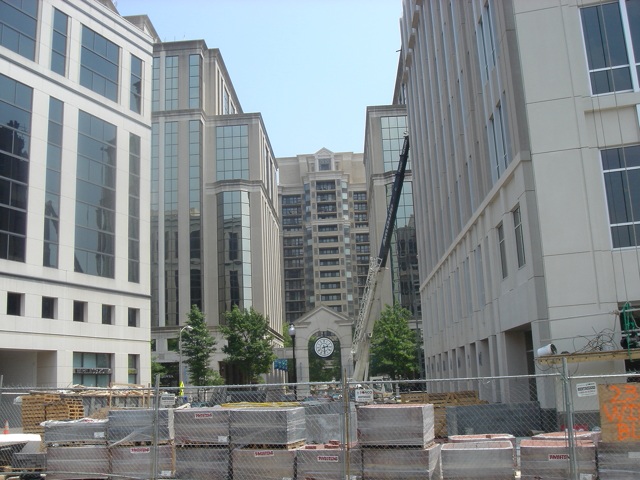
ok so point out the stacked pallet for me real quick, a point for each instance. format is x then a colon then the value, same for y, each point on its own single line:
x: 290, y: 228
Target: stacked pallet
x: 491, y: 460
x: 76, y: 449
x: 202, y: 443
x: 131, y: 435
x: 329, y: 460
x: 263, y: 441
x: 619, y: 460
x: 397, y: 441
x: 440, y: 401
x: 550, y: 459
x: 39, y: 407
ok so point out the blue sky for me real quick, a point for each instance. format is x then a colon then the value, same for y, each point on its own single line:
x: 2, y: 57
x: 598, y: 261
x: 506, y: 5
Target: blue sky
x: 310, y: 67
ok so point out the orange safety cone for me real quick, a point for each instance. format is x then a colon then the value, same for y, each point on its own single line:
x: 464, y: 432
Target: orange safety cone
x: 6, y: 427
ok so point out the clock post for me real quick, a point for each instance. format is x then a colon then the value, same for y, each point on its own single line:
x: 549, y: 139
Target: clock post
x: 294, y: 380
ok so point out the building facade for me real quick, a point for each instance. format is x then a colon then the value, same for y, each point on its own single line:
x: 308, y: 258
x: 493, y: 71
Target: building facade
x: 75, y: 101
x: 325, y: 232
x: 215, y: 232
x: 524, y: 183
x: 384, y: 137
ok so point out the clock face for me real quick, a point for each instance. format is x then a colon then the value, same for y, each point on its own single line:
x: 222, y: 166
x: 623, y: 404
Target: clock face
x: 324, y: 347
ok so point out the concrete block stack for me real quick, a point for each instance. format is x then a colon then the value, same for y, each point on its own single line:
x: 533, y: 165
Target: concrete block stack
x: 491, y: 460
x: 325, y: 423
x: 550, y: 459
x: 263, y: 441
x: 397, y: 441
x: 130, y: 437
x: 76, y: 449
x: 619, y: 460
x: 329, y: 461
x: 202, y: 443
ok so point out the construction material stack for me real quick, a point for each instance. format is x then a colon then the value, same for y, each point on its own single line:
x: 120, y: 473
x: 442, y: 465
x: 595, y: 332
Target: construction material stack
x: 132, y: 436
x: 397, y: 441
x: 39, y: 407
x: 329, y: 460
x: 490, y: 460
x: 202, y: 443
x: 263, y: 441
x: 76, y: 449
x: 551, y: 459
x: 440, y: 401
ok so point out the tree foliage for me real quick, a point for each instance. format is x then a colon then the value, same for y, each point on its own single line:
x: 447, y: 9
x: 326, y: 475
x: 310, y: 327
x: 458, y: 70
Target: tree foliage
x: 249, y: 342
x: 394, y: 346
x: 197, y: 347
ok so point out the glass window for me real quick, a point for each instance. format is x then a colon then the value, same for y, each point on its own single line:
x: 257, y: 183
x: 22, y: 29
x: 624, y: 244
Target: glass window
x: 79, y: 311
x: 621, y: 169
x: 392, y: 130
x: 517, y: 224
x: 503, y: 250
x: 18, y: 25
x: 92, y: 369
x: 232, y: 152
x: 59, y: 42
x: 48, y: 307
x: 194, y: 81
x: 135, y: 94
x: 14, y: 303
x: 99, y: 64
x: 155, y: 85
x: 171, y: 83
x: 15, y: 145
x: 107, y: 314
x: 132, y: 363
x: 53, y: 176
x: 607, y: 53
x: 133, y: 317
x: 95, y: 197
x: 134, y: 208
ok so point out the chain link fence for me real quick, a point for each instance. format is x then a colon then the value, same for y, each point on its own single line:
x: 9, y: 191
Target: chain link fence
x: 554, y: 426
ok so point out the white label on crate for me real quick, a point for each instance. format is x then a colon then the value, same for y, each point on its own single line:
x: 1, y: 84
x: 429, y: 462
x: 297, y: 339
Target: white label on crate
x: 634, y: 454
x: 287, y: 478
x: 587, y: 389
x: 263, y: 453
x: 586, y: 476
x: 204, y: 415
x: 558, y: 456
x: 140, y: 450
x: 223, y: 439
x: 328, y: 458
x: 166, y: 473
x: 364, y: 395
x: 98, y: 434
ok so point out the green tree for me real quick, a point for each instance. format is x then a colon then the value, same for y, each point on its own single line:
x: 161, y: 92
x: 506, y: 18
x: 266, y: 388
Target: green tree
x: 249, y: 342
x: 197, y: 347
x: 394, y: 346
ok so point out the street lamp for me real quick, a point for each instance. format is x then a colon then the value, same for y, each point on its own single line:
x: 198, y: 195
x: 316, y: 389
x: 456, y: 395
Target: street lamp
x: 186, y: 327
x: 292, y: 334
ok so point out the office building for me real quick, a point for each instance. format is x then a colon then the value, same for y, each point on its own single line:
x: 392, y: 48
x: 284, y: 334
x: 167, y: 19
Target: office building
x: 525, y: 151
x: 215, y: 232
x: 75, y: 139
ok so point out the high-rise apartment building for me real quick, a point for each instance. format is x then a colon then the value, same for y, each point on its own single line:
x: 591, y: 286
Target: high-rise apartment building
x: 325, y: 232
x: 215, y: 234
x: 75, y: 138
x: 524, y: 122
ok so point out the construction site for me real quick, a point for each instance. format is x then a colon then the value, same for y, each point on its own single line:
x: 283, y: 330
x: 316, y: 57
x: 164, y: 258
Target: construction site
x: 211, y: 433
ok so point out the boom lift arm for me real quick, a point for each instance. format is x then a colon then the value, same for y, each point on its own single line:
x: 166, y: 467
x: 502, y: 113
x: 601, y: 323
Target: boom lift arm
x: 364, y: 324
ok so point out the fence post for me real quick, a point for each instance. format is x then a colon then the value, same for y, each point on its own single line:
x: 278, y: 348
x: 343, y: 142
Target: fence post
x: 346, y: 401
x: 154, y: 444
x: 568, y: 407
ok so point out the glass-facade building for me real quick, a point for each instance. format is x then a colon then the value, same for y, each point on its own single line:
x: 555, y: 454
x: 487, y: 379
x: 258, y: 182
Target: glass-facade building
x: 214, y: 220
x: 72, y: 145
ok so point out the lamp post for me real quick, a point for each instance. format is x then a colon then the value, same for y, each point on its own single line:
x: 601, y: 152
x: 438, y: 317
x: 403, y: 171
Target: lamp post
x: 186, y: 327
x: 292, y: 334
